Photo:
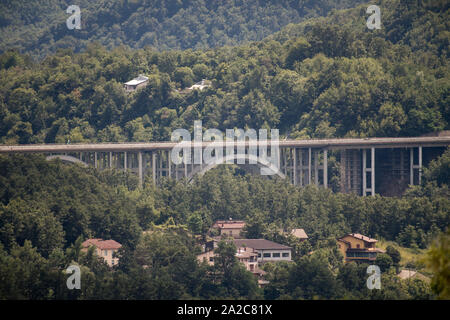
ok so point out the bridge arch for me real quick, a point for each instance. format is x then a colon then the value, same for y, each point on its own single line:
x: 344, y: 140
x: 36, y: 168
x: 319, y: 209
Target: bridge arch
x: 260, y: 162
x: 66, y: 158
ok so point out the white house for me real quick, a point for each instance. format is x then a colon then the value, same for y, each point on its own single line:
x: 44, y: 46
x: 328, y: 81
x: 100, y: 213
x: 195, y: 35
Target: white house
x: 267, y: 250
x: 136, y: 83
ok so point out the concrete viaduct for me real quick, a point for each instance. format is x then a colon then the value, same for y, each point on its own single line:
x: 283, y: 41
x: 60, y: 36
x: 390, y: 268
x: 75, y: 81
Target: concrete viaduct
x: 398, y: 162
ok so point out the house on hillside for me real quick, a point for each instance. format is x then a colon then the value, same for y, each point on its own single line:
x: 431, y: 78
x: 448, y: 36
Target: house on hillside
x: 207, y: 256
x: 406, y: 274
x: 104, y: 249
x: 136, y: 83
x: 299, y: 234
x: 249, y: 257
x: 359, y: 248
x: 200, y: 85
x: 196, y: 86
x: 231, y: 228
x: 266, y: 250
x: 245, y: 255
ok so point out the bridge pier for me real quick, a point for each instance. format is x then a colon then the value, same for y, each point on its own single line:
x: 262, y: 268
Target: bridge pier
x: 387, y: 169
x: 371, y: 170
x: 302, y: 166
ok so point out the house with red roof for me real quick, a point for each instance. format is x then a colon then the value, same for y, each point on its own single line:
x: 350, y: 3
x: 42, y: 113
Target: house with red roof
x: 231, y: 228
x: 105, y: 249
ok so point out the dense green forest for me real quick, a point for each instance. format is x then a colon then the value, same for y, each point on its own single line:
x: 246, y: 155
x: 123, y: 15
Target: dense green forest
x: 39, y: 27
x: 337, y: 79
x: 47, y: 208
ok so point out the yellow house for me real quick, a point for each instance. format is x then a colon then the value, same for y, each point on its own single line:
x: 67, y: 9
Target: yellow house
x: 356, y: 247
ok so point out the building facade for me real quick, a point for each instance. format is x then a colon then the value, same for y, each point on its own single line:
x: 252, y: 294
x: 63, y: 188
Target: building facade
x: 105, y: 249
x: 136, y: 83
x: 268, y: 251
x: 359, y: 248
x: 230, y: 228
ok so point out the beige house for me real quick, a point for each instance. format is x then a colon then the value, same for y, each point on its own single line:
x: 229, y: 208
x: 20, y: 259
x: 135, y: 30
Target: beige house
x: 248, y: 257
x: 356, y: 247
x: 207, y: 256
x: 299, y: 234
x: 104, y: 249
x: 245, y: 255
x: 231, y: 228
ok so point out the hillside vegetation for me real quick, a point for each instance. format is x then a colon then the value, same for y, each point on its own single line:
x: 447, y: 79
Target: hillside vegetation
x: 48, y: 208
x: 39, y: 27
x: 338, y: 79
x: 323, y: 77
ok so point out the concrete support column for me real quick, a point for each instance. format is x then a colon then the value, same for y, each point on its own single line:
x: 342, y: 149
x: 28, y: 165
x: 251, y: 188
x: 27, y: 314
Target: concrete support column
x: 364, y: 173
x: 110, y: 160
x: 169, y: 164
x: 141, y: 176
x: 185, y: 165
x: 154, y: 167
x: 420, y: 165
x: 316, y: 167
x: 295, y: 166
x: 325, y: 168
x: 309, y: 165
x: 411, y: 166
x: 301, y: 166
x: 161, y: 159
x: 95, y: 160
x: 372, y: 162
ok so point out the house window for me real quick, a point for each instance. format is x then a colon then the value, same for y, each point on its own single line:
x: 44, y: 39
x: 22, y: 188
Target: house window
x: 276, y: 255
x: 357, y: 246
x: 211, y: 259
x: 266, y: 255
x: 259, y: 254
x: 285, y: 254
x: 105, y: 253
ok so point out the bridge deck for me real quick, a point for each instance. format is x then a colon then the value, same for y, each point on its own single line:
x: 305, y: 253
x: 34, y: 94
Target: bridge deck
x: 313, y: 143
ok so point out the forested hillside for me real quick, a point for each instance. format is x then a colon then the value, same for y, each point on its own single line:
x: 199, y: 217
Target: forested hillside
x: 300, y: 66
x: 39, y: 27
x: 337, y: 79
x: 47, y: 208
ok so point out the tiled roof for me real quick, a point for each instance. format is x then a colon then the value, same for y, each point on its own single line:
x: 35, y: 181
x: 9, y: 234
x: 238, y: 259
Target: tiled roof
x: 246, y: 254
x: 361, y: 237
x: 137, y: 80
x: 229, y: 224
x: 102, y: 244
x: 259, y: 244
x: 378, y: 250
